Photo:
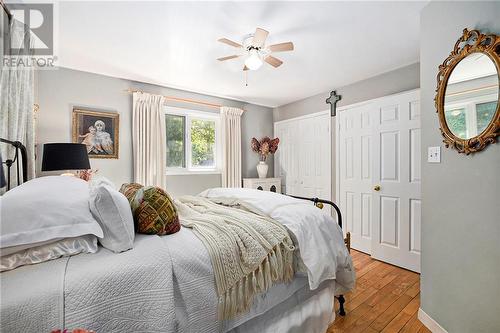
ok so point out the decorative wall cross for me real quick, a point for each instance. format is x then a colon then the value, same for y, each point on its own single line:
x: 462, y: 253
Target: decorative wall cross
x: 332, y: 100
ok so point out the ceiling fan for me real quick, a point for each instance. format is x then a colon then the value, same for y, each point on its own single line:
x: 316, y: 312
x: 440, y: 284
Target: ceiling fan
x: 254, y: 49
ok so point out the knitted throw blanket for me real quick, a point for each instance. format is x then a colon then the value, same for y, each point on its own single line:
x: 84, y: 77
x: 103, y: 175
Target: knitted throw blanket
x: 249, y: 252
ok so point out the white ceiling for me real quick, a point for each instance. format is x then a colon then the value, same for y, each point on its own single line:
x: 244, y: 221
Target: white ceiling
x: 175, y: 44
x: 474, y: 66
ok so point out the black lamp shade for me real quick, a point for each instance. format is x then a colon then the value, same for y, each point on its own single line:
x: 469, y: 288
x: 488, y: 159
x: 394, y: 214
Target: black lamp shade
x: 65, y: 156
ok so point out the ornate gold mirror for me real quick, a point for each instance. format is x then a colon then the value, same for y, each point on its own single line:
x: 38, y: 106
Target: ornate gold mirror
x: 467, y: 99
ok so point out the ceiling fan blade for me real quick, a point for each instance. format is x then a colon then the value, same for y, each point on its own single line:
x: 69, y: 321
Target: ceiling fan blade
x: 275, y: 62
x: 229, y: 42
x: 228, y: 57
x: 245, y: 68
x: 281, y: 47
x: 259, y: 38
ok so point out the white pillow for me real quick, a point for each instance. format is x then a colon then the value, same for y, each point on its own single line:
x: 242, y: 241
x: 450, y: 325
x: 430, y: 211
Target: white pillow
x: 97, y: 181
x: 112, y: 210
x: 61, y: 248
x: 44, y: 209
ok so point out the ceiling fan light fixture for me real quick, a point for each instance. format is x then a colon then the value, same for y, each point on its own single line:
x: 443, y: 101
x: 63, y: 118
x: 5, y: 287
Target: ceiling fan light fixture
x: 254, y: 50
x: 253, y: 61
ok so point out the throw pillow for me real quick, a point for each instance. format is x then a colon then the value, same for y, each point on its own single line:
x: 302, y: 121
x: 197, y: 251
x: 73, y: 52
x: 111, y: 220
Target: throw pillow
x: 129, y: 190
x: 152, y: 208
x: 154, y: 212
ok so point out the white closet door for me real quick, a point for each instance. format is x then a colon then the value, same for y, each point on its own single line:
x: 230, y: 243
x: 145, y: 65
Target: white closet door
x: 280, y: 155
x: 396, y: 169
x: 286, y: 163
x: 303, y: 159
x: 315, y: 158
x: 355, y: 171
x: 314, y: 161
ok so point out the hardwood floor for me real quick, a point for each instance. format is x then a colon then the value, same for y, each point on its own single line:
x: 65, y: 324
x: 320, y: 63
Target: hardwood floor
x: 386, y: 299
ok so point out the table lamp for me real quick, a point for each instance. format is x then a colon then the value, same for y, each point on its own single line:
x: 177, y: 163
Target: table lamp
x: 65, y: 156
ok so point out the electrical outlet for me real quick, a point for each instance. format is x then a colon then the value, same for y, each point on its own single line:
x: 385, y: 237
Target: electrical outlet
x: 434, y: 154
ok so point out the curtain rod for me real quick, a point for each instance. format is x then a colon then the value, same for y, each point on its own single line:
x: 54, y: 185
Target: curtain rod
x: 472, y: 90
x: 183, y: 100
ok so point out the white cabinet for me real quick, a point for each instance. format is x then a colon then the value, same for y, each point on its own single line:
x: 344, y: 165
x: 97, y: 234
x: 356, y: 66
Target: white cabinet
x: 263, y: 184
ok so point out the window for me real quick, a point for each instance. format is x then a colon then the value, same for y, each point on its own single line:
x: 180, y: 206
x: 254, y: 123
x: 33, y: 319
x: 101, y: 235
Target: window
x: 456, y: 120
x: 202, y: 143
x: 176, y: 150
x: 192, y: 141
x: 485, y: 112
x: 469, y: 117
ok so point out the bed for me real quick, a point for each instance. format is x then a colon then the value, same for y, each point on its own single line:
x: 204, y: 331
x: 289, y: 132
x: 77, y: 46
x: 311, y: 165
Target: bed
x: 166, y: 283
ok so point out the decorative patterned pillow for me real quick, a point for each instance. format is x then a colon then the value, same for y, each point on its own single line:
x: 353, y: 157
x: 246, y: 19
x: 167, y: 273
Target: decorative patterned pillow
x: 153, y: 209
x: 129, y: 190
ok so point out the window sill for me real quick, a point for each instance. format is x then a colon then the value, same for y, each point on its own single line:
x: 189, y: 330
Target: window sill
x: 193, y: 172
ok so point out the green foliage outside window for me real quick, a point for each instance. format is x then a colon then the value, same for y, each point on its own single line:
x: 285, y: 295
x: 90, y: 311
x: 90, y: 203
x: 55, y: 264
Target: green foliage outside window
x: 175, y: 141
x: 461, y: 126
x: 456, y: 122
x: 484, y: 112
x: 202, y: 142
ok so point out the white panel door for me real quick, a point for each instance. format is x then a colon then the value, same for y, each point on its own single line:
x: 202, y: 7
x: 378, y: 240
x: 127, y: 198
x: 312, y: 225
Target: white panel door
x: 396, y: 170
x: 286, y: 162
x: 355, y: 172
x: 303, y: 159
x: 314, y: 142
x: 282, y: 156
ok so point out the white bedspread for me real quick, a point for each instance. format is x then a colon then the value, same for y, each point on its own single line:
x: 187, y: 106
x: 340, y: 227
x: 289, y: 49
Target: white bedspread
x: 122, y: 292
x: 31, y: 297
x: 106, y: 292
x: 164, y: 284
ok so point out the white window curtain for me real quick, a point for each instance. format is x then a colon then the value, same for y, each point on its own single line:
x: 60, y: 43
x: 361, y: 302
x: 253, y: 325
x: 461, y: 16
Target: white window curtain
x: 149, y: 139
x: 16, y: 103
x: 231, y: 146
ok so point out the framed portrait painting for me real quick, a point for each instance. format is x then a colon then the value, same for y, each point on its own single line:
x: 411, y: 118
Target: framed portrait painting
x: 99, y: 131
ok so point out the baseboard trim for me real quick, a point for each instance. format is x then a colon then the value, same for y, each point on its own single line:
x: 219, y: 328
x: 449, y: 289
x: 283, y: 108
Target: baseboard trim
x: 430, y: 323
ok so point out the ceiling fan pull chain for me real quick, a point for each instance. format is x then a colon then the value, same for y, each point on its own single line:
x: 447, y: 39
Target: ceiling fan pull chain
x: 246, y: 78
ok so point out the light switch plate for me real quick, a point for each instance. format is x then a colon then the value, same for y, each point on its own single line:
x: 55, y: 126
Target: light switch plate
x: 434, y: 154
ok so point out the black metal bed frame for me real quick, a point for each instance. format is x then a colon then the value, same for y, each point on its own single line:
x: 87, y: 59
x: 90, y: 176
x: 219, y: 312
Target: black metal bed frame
x: 19, y: 148
x: 319, y: 203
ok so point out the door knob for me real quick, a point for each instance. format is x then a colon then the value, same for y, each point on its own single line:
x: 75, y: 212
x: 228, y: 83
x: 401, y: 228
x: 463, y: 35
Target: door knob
x: 376, y: 188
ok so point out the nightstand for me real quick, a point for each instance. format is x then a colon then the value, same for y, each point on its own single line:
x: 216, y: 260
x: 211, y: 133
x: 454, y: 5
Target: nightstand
x: 263, y: 184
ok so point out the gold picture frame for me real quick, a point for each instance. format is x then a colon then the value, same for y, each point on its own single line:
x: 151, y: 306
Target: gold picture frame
x: 99, y: 131
x: 471, y: 41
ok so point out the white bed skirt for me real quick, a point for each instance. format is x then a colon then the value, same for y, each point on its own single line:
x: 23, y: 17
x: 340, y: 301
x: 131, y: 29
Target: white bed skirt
x: 312, y: 315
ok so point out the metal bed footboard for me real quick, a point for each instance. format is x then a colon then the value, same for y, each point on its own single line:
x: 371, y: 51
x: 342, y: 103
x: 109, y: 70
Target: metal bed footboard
x: 347, y: 240
x: 20, y: 162
x: 318, y: 201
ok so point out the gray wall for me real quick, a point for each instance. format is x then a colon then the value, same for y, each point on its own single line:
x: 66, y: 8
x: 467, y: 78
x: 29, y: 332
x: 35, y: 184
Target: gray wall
x: 58, y: 91
x: 401, y: 79
x: 460, y: 286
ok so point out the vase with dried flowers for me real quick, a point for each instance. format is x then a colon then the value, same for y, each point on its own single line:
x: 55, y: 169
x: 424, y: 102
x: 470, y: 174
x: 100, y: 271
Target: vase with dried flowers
x: 264, y: 147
